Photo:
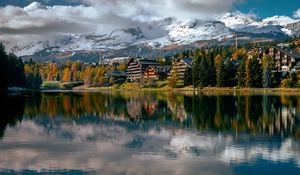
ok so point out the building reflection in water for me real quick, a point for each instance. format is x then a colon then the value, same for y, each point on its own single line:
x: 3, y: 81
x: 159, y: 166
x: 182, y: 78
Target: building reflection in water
x: 244, y: 113
x: 130, y: 133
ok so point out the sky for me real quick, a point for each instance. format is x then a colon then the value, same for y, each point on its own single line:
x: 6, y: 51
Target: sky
x: 274, y: 7
x: 48, y: 18
x: 267, y: 8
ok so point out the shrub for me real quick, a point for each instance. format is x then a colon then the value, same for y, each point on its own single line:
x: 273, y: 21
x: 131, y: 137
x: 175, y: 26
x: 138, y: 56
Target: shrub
x: 287, y: 83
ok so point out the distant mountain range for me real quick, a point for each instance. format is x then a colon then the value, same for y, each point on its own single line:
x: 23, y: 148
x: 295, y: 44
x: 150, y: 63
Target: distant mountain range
x: 160, y: 37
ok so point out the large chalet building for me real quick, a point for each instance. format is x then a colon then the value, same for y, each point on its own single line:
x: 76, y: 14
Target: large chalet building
x: 137, y: 67
x: 284, y: 60
x: 179, y: 66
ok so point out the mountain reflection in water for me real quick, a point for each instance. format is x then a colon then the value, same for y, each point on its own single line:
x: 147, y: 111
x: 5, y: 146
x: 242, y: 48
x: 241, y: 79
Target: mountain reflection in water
x: 150, y: 133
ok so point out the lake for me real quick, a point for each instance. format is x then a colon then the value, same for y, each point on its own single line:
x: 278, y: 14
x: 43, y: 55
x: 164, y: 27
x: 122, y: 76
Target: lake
x: 150, y: 133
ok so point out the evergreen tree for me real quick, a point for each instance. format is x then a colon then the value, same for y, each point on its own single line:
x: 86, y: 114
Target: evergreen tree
x: 203, y: 72
x: 267, y: 75
x: 196, y: 72
x: 11, y: 70
x: 33, y: 76
x: 220, y: 67
x: 37, y: 79
x: 241, y: 74
x: 211, y: 69
x: 230, y: 73
x: 3, y: 68
x: 188, y: 77
x: 253, y: 73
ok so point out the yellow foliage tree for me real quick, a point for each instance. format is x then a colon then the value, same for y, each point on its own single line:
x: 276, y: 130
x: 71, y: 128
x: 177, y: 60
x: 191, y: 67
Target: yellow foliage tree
x: 66, y: 74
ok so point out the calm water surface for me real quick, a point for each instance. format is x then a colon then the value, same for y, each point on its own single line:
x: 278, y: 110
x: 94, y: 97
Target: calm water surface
x: 150, y: 133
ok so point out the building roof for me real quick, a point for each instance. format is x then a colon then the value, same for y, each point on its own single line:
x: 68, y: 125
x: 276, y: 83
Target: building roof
x: 116, y: 73
x: 292, y: 53
x: 144, y: 61
x: 148, y: 61
x: 188, y: 61
x: 160, y: 69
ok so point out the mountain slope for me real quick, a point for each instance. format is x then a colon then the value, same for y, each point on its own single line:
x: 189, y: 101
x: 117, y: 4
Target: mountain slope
x: 154, y: 36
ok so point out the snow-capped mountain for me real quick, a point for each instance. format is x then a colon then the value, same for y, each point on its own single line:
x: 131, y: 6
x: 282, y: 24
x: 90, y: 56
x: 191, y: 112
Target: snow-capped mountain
x: 250, y: 24
x: 159, y: 34
x: 155, y: 34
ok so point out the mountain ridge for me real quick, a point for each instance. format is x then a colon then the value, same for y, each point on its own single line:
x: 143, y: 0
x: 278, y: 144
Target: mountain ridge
x: 159, y: 34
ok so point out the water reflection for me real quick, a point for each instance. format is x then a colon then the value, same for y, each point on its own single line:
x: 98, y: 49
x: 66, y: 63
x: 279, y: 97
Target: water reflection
x: 150, y: 133
x: 256, y: 114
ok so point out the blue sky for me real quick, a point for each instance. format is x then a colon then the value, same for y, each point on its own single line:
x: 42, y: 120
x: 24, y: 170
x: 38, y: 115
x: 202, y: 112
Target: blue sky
x: 267, y: 8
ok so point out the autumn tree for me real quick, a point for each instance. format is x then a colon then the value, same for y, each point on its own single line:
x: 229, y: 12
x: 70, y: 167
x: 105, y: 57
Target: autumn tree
x: 66, y: 75
x: 173, y: 80
x: 33, y: 76
x: 52, y: 71
x: 87, y: 75
x: 240, y: 54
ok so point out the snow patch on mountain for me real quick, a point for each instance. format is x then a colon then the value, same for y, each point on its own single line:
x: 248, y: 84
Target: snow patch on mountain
x: 237, y: 20
x: 251, y: 24
x: 278, y: 20
x: 161, y: 33
x: 191, y: 31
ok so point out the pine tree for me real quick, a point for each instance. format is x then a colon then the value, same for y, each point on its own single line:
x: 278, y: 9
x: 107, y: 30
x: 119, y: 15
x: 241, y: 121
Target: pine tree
x: 196, y: 72
x: 211, y: 70
x: 253, y: 73
x: 230, y: 73
x: 3, y: 68
x: 241, y: 74
x: 267, y: 77
x: 221, y: 82
x: 203, y: 72
x: 188, y: 77
x: 267, y: 74
x: 37, y: 79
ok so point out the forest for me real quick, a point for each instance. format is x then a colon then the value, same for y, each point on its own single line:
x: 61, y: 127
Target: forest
x: 212, y: 67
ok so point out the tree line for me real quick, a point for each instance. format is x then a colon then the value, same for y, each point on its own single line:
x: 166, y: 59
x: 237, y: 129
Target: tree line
x: 89, y: 74
x: 227, y: 67
x: 16, y: 73
x: 212, y: 67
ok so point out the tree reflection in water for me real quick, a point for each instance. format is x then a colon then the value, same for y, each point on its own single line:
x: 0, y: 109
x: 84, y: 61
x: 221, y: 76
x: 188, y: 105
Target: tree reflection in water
x: 270, y: 114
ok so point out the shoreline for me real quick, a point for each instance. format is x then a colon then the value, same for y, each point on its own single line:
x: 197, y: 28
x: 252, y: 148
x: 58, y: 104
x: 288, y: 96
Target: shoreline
x: 206, y: 90
x: 190, y: 90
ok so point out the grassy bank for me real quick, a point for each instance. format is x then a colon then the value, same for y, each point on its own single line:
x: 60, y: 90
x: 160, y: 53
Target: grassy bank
x: 163, y: 86
x: 191, y: 89
x: 57, y: 85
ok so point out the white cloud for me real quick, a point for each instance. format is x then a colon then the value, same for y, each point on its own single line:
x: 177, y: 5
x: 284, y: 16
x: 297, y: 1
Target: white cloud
x: 198, y: 9
x: 38, y: 21
x: 103, y: 148
x: 297, y: 14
